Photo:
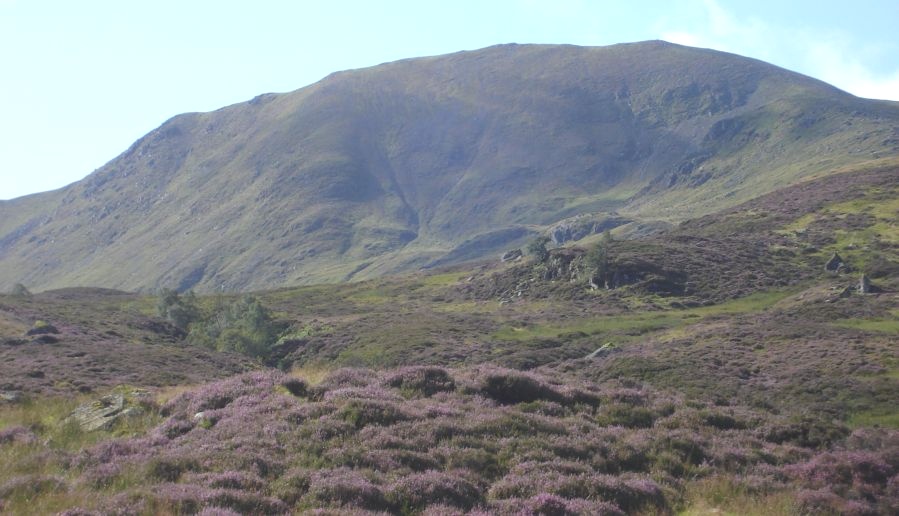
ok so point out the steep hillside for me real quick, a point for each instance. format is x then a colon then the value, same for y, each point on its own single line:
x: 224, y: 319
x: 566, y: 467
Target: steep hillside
x: 435, y: 160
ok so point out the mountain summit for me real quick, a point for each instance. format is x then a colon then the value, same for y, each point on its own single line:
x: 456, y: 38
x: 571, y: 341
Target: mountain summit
x: 434, y: 160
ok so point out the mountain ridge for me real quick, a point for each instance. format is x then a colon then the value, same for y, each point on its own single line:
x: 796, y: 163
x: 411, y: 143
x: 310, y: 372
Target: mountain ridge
x: 398, y: 166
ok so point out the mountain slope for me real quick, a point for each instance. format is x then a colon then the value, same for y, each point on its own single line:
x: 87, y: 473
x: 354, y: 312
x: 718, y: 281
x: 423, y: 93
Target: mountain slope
x: 409, y: 163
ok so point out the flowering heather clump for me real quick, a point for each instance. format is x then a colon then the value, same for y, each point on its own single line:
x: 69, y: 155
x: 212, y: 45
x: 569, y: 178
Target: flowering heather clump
x: 228, y: 480
x: 396, y: 460
x: 187, y: 498
x: 545, y: 504
x: 27, y: 486
x: 217, y: 511
x: 421, y: 380
x: 175, y: 427
x: 102, y: 475
x: 371, y: 392
x: 357, y: 446
x: 344, y: 487
x: 508, y: 386
x: 17, y: 434
x: 848, y: 477
x: 364, y: 412
x: 418, y: 490
x: 825, y: 502
x: 77, y: 511
x: 347, y: 377
x: 219, y: 394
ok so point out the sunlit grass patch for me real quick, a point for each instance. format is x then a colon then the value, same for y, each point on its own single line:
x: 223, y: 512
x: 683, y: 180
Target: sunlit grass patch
x: 637, y: 323
x: 41, y: 413
x: 641, y: 323
x: 880, y: 205
x: 445, y: 279
x: 145, y: 305
x: 312, y: 374
x: 752, y: 303
x: 49, y: 500
x: 11, y: 327
x: 725, y: 496
x: 880, y: 325
x: 375, y: 295
x: 166, y: 394
x: 884, y: 418
x: 36, y: 465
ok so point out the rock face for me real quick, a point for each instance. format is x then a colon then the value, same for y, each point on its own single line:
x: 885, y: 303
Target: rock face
x: 580, y: 227
x: 512, y: 255
x: 835, y: 264
x: 864, y: 285
x: 104, y: 413
x: 564, y: 264
x: 11, y: 396
x: 42, y: 328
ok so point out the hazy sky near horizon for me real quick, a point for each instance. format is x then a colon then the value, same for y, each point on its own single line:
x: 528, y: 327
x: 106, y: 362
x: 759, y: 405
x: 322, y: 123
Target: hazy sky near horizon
x: 81, y: 81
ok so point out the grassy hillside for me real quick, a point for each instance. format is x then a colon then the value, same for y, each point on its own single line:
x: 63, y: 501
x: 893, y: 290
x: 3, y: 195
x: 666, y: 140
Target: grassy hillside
x: 434, y: 161
x: 724, y: 371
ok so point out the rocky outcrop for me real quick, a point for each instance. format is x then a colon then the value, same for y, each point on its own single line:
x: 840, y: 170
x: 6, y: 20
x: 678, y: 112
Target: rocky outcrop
x: 579, y: 227
x: 563, y: 264
x: 511, y: 255
x: 11, y: 396
x: 42, y: 328
x: 864, y: 285
x: 835, y: 264
x: 104, y: 413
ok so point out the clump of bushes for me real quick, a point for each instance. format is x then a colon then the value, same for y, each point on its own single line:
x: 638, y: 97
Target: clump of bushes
x: 243, y: 325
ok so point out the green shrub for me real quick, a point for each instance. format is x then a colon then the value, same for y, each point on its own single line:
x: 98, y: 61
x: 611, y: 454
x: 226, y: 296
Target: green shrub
x: 626, y: 416
x: 537, y: 248
x: 179, y: 310
x: 242, y: 326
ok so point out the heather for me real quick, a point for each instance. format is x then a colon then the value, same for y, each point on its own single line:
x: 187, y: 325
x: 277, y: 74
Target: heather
x: 719, y: 368
x: 103, y: 338
x: 482, y: 439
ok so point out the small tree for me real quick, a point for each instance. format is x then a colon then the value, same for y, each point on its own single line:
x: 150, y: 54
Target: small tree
x: 537, y: 248
x: 176, y: 309
x: 598, y: 258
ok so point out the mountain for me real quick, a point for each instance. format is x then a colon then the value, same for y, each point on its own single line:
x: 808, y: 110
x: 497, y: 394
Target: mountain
x: 434, y: 160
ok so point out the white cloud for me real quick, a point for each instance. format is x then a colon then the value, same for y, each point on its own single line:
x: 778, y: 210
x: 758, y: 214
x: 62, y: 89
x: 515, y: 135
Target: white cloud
x: 683, y: 38
x: 827, y: 55
x: 834, y: 64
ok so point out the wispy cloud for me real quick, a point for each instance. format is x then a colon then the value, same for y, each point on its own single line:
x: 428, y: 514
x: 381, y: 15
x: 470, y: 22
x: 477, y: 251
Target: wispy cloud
x: 831, y: 56
x: 839, y: 67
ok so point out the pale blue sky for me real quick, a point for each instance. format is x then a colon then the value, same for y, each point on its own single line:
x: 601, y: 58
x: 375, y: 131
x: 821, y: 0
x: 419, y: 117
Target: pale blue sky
x: 81, y: 80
